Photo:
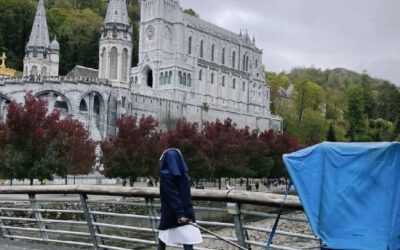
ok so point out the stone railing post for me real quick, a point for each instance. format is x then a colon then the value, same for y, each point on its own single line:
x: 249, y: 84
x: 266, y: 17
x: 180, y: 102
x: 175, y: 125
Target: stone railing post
x: 38, y: 216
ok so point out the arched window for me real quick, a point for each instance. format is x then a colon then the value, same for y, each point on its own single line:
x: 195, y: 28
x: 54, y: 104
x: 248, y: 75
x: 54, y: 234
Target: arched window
x: 244, y: 63
x: 184, y: 79
x: 223, y: 81
x: 189, y: 80
x: 212, y: 77
x: 223, y: 56
x: 169, y: 78
x: 114, y: 32
x: 136, y: 80
x: 244, y: 86
x: 234, y: 59
x: 161, y: 78
x: 114, y: 64
x: 34, y: 71
x: 247, y: 63
x: 190, y: 46
x: 212, y: 52
x: 150, y: 78
x: 124, y: 68
x: 201, y: 49
x: 201, y: 75
x: 180, y: 77
x: 234, y: 84
x: 44, y: 71
x: 96, y: 105
x: 103, y: 63
x: 256, y: 63
x: 83, y: 105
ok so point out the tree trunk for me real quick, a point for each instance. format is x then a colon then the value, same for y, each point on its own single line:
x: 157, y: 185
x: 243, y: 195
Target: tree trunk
x: 31, y: 182
x: 219, y: 183
x: 66, y: 180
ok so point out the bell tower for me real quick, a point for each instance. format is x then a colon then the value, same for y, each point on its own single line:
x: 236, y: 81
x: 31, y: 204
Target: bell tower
x: 116, y: 44
x: 41, y: 57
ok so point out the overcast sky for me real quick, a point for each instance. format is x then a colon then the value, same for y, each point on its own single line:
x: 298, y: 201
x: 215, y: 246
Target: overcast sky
x: 352, y: 34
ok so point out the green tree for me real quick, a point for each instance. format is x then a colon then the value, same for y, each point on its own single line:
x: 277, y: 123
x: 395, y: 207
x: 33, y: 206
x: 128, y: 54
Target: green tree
x: 312, y: 128
x: 191, y: 12
x: 16, y: 20
x: 331, y: 135
x: 396, y: 131
x: 354, y: 114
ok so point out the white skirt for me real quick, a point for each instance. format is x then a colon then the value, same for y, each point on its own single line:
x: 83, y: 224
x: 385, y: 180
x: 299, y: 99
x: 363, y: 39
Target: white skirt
x: 178, y: 236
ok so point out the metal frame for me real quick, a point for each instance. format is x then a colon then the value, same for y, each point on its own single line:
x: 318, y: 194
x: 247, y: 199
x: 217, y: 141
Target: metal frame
x: 129, y: 239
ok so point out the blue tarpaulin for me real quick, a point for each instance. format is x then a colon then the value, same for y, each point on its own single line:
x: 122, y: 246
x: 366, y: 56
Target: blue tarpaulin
x: 350, y: 193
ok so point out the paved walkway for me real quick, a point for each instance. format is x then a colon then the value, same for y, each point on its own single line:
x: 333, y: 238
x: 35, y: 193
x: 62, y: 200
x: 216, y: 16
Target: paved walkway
x: 19, y: 245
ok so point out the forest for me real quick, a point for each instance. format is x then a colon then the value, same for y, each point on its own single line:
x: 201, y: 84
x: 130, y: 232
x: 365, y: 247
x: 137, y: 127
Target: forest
x: 75, y: 23
x: 335, y: 105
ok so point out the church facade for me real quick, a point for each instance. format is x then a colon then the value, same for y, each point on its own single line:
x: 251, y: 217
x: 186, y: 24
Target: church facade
x: 188, y: 69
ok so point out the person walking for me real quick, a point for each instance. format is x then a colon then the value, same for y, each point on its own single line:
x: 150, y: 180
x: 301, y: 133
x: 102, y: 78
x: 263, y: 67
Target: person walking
x: 176, y: 204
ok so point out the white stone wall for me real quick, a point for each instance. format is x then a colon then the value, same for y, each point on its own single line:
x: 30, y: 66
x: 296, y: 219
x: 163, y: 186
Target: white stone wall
x: 170, y: 44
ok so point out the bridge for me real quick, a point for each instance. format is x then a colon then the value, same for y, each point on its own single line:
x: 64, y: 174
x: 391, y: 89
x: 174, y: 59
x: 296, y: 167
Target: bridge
x: 122, y: 218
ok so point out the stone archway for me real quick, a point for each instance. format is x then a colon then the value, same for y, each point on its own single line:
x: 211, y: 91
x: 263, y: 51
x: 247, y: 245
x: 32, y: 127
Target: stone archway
x: 91, y: 114
x: 56, y: 100
x: 147, y: 76
x: 4, y: 101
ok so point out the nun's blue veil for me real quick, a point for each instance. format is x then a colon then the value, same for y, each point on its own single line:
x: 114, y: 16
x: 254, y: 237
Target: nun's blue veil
x: 172, y: 163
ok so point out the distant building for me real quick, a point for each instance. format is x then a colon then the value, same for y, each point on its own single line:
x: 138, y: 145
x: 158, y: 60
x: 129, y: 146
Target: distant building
x: 188, y: 69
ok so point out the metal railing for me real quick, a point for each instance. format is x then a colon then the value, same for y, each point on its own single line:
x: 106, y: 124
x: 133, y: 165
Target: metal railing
x: 104, y: 217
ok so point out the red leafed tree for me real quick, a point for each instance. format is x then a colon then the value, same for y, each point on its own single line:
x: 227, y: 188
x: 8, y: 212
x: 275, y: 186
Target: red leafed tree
x: 224, y: 151
x: 188, y: 138
x: 76, y: 148
x: 279, y: 144
x: 36, y: 142
x: 4, y: 138
x: 134, y: 151
x: 259, y: 162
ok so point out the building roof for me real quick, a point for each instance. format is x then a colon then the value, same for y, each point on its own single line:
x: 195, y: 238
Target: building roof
x: 117, y: 12
x: 54, y: 45
x: 80, y: 71
x: 200, y: 24
x: 40, y: 33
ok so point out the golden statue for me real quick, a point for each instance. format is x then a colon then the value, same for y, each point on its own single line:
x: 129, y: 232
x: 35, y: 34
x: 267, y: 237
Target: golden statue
x: 3, y: 69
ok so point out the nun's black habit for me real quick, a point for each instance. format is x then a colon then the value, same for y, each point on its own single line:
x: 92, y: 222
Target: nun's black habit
x: 175, y: 194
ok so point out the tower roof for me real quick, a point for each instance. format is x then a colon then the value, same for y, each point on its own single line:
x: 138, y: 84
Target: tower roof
x: 117, y: 12
x: 40, y: 33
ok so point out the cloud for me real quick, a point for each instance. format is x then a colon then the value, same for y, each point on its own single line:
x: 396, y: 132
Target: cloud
x: 357, y: 34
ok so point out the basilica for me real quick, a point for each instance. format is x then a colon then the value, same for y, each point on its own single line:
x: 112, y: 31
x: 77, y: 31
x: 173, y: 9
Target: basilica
x: 188, y: 69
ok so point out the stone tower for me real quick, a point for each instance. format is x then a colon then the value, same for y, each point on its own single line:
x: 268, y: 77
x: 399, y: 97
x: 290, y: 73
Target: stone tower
x: 41, y: 56
x: 116, y: 44
x: 161, y: 36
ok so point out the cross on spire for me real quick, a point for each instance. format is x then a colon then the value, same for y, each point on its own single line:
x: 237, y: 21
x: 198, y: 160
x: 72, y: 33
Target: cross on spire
x: 3, y: 60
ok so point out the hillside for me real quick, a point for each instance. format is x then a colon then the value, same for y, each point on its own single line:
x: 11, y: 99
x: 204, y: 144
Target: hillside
x: 342, y: 103
x: 76, y: 24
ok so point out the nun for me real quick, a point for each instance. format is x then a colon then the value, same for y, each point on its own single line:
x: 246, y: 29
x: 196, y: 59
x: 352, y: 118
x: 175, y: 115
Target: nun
x: 176, y: 204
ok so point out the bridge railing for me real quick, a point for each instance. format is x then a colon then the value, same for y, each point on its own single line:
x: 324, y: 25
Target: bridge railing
x: 104, y: 217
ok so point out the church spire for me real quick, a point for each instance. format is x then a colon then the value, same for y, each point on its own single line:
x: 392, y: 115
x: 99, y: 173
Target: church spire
x: 40, y: 33
x: 117, y: 12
